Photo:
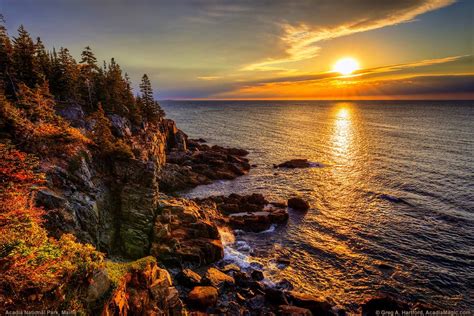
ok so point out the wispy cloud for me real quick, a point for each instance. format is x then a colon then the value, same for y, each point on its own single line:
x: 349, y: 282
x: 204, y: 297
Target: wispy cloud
x: 300, y: 41
x: 208, y: 78
x: 468, y: 59
x: 413, y: 87
x: 394, y: 80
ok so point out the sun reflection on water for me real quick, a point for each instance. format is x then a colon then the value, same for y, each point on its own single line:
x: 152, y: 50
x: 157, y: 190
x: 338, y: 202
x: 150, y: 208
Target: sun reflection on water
x: 342, y: 134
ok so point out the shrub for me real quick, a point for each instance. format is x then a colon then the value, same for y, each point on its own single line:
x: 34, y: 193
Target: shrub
x: 30, y: 261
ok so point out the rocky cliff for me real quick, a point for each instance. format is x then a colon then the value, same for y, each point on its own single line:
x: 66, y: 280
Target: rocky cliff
x: 111, y: 203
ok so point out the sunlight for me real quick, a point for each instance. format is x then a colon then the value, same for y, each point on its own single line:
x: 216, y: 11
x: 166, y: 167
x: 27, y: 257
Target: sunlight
x: 346, y: 66
x: 342, y: 133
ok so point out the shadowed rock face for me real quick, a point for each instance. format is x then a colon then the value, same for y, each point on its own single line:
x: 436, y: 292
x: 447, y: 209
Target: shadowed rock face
x: 110, y: 203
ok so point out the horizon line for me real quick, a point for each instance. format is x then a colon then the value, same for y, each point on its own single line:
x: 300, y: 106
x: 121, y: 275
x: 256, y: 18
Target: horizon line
x: 342, y: 100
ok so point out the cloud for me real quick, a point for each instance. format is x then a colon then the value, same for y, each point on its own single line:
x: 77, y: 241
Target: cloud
x: 371, y: 72
x: 208, y: 77
x: 414, y: 87
x: 300, y: 41
x: 425, y: 78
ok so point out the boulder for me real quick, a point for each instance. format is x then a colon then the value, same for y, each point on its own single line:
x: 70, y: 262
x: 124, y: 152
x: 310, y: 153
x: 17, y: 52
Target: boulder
x: 295, y: 163
x: 257, y: 275
x: 275, y: 296
x: 298, y: 204
x: 189, y: 278
x: 217, y: 278
x: 248, y: 212
x: 140, y: 287
x: 203, y: 297
x: 99, y: 285
x: 256, y: 222
x: 185, y: 232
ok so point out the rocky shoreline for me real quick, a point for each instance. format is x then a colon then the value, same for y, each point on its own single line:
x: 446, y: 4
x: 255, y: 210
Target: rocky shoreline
x: 165, y: 253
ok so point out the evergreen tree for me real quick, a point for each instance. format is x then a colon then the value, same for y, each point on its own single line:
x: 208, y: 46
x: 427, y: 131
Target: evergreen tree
x: 67, y: 76
x: 101, y: 132
x: 150, y: 108
x: 24, y: 61
x: 117, y: 94
x: 6, y: 52
x: 105, y: 141
x: 133, y: 106
x: 43, y: 60
x: 88, y: 77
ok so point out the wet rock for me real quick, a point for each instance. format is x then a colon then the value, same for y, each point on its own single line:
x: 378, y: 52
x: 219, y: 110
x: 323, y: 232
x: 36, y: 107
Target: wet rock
x: 295, y: 163
x: 200, y: 164
x: 203, y: 297
x: 242, y: 279
x: 275, y: 296
x: 217, y: 278
x: 298, y: 204
x: 248, y: 212
x: 257, y: 275
x: 287, y: 310
x: 230, y: 268
x: 256, y: 222
x: 189, y: 278
x: 317, y: 305
x: 386, y: 303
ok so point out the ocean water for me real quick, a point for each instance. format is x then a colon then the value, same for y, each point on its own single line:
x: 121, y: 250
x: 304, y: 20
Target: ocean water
x: 392, y: 204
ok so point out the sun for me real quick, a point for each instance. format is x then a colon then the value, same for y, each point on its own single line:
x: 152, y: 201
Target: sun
x: 346, y: 66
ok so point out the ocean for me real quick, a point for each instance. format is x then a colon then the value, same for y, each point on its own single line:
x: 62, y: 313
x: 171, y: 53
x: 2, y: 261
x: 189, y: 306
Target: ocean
x: 392, y: 194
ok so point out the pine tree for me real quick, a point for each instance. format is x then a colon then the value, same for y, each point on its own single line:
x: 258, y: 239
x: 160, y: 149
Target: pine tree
x: 105, y: 141
x: 147, y: 91
x: 150, y: 108
x: 133, y: 106
x: 101, y: 132
x: 6, y: 52
x: 24, y: 61
x: 43, y: 60
x: 88, y: 77
x: 68, y: 76
x: 118, y: 96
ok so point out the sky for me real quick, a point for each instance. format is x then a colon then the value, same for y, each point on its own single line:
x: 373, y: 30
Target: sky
x: 268, y: 49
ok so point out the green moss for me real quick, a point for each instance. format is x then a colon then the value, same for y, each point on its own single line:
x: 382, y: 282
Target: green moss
x: 117, y: 270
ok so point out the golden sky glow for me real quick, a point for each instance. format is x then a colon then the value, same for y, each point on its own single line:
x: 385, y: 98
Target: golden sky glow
x: 409, y: 49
